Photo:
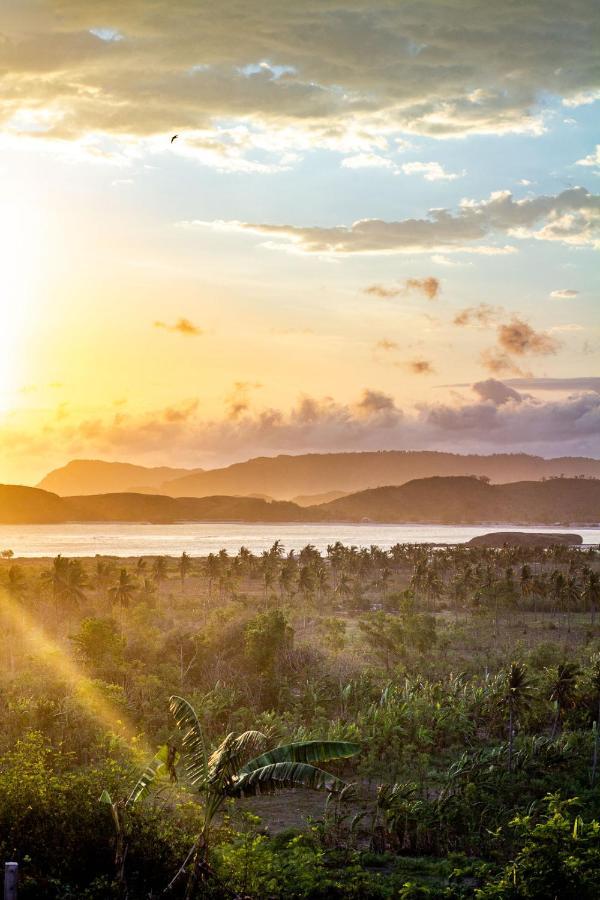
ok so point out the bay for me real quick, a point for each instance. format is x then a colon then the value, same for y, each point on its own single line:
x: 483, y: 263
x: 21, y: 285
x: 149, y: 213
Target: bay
x: 200, y: 539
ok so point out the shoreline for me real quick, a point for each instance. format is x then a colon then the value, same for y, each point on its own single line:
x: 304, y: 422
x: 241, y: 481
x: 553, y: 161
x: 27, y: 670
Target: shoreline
x: 303, y: 522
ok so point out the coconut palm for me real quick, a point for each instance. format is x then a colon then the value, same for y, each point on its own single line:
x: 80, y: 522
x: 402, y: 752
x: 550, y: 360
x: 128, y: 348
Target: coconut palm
x: 67, y: 580
x: 591, y: 593
x: 594, y: 677
x: 160, y: 568
x: 232, y: 771
x: 16, y: 583
x: 562, y: 690
x: 184, y: 567
x: 516, y: 697
x: 123, y: 591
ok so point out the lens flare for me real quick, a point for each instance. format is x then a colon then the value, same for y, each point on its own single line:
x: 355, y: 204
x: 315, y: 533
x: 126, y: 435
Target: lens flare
x: 19, y: 621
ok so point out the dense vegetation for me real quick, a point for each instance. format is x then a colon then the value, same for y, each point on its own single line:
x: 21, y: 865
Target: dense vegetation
x: 444, y: 702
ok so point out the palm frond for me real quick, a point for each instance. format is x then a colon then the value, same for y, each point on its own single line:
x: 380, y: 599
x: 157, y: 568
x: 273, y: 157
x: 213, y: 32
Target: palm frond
x: 193, y: 745
x: 303, y: 752
x: 279, y: 775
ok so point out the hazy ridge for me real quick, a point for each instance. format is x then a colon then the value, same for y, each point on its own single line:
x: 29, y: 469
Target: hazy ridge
x: 452, y: 500
x: 286, y: 477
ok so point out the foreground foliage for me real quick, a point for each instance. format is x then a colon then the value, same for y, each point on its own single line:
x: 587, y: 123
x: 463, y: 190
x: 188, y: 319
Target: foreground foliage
x: 469, y: 678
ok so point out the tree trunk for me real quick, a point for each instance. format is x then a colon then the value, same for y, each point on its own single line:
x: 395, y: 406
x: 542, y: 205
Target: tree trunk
x: 510, y: 736
x: 555, y: 723
x: 595, y: 750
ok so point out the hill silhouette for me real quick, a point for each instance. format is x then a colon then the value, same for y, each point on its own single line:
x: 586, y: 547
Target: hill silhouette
x: 286, y: 477
x: 454, y: 500
x: 472, y: 501
x: 95, y: 476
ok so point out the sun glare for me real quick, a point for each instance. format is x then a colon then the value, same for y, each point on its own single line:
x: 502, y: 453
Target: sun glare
x: 21, y: 251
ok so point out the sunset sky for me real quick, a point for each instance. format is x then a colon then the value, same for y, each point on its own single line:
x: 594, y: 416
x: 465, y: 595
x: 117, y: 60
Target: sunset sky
x: 378, y: 227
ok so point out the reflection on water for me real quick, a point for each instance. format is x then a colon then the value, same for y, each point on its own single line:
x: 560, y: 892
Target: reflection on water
x: 200, y: 539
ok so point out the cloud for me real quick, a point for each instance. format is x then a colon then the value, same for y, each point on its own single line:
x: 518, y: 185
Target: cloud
x: 367, y: 161
x: 181, y: 413
x: 566, y: 328
x: 556, y: 384
x: 421, y: 367
x: 495, y: 421
x: 381, y: 290
x: 238, y: 401
x: 386, y: 345
x: 431, y: 171
x: 442, y: 260
x: 480, y: 316
x: 499, y: 363
x: 430, y: 287
x: 519, y: 338
x: 377, y: 404
x: 496, y: 391
x: 182, y: 326
x: 563, y: 294
x: 328, y: 74
x: 571, y: 217
x: 593, y: 159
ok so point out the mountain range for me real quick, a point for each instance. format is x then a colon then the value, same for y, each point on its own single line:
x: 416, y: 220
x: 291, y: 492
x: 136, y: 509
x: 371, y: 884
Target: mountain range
x: 443, y: 500
x: 308, y: 478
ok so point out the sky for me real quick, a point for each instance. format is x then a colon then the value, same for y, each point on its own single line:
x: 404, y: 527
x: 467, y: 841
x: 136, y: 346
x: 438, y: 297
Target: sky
x: 377, y: 228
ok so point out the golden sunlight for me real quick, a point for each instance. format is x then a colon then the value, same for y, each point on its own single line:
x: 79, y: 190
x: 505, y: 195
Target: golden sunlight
x: 21, y: 254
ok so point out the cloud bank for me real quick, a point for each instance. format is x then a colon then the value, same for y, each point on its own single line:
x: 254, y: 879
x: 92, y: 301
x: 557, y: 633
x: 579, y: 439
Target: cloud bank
x: 429, y: 287
x: 282, y: 77
x: 571, y: 217
x: 495, y: 417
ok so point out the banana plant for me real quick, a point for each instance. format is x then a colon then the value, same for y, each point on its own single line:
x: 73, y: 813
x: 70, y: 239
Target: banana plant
x: 164, y: 760
x: 233, y: 770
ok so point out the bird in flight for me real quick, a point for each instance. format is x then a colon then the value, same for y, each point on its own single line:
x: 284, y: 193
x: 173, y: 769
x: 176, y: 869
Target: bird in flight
x: 173, y: 138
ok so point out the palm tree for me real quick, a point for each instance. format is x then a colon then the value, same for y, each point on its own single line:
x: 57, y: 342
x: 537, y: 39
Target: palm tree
x: 563, y: 690
x: 104, y: 571
x: 594, y: 676
x: 148, y: 590
x: 212, y: 568
x: 67, y: 580
x: 16, y: 583
x: 122, y: 592
x: 268, y: 568
x: 230, y: 771
x: 184, y: 567
x: 160, y: 568
x: 591, y: 593
x: 516, y: 696
x: 306, y: 586
x: 287, y: 578
x: 571, y: 597
x: 16, y: 587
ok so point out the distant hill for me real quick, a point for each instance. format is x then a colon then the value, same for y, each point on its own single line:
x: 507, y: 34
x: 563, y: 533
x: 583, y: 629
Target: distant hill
x: 22, y: 505
x: 455, y: 500
x: 94, y: 476
x: 472, y: 501
x: 159, y: 509
x: 287, y: 477
x: 284, y: 477
x: 316, y: 499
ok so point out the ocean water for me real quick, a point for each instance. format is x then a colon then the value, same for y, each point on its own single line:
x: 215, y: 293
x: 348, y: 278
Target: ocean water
x: 200, y: 539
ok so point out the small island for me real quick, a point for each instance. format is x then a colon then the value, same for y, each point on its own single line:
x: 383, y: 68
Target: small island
x: 499, y: 539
